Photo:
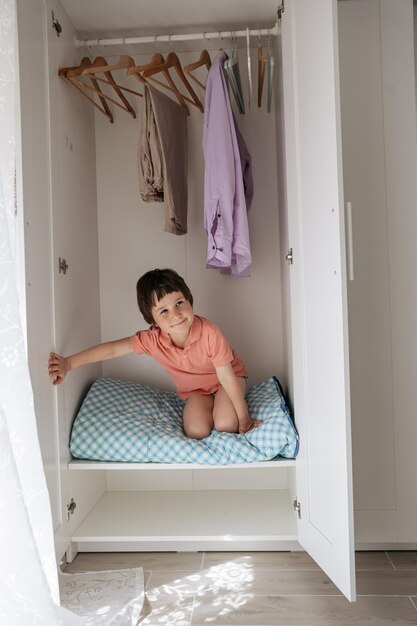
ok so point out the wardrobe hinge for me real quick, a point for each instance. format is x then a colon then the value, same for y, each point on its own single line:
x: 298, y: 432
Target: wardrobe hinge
x: 297, y: 507
x: 290, y: 257
x: 56, y: 25
x: 62, y: 266
x: 70, y: 508
x: 280, y: 10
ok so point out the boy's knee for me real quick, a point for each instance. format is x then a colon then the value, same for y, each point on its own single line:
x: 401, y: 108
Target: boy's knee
x: 225, y: 419
x: 226, y: 423
x: 197, y: 431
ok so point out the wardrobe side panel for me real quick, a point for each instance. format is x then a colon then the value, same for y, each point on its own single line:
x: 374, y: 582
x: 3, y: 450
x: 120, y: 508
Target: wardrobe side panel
x: 284, y: 242
x: 415, y: 49
x: 132, y: 241
x: 401, y: 184
x: 369, y: 292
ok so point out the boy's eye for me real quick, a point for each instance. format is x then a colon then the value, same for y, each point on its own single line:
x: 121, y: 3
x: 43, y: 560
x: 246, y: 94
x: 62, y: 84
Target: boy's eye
x: 180, y: 302
x: 163, y: 311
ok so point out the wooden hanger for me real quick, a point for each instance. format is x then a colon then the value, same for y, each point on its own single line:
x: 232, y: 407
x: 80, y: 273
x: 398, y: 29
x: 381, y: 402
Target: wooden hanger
x: 136, y: 70
x: 157, y: 60
x: 100, y: 66
x: 87, y: 68
x: 262, y: 62
x: 172, y: 62
x: 71, y: 74
x: 124, y: 62
x: 203, y: 60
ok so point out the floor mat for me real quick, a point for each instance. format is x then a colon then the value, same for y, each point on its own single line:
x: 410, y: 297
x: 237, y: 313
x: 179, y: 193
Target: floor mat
x: 108, y: 598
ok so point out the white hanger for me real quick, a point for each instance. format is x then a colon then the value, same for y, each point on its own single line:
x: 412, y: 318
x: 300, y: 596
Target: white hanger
x: 232, y: 69
x: 249, y: 66
x: 270, y: 73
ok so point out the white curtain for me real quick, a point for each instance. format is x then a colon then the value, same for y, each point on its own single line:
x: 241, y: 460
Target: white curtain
x: 29, y: 593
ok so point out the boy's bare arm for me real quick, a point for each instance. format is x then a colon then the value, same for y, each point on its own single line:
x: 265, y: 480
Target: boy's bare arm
x: 230, y: 384
x: 59, y: 366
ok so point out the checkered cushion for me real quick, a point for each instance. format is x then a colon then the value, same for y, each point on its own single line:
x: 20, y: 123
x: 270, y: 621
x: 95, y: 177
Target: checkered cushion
x: 125, y: 421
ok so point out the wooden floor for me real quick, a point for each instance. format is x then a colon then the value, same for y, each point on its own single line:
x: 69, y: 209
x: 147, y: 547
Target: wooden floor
x: 264, y: 588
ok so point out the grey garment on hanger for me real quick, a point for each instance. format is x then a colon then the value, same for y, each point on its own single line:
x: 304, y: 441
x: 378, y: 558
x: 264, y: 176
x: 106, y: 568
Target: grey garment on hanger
x: 162, y: 158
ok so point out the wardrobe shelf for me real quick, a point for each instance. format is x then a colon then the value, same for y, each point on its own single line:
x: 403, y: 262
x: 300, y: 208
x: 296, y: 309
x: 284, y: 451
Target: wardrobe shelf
x: 78, y: 464
x: 188, y: 520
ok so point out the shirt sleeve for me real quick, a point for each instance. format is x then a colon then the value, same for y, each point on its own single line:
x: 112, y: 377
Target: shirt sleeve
x: 225, y: 212
x: 219, y: 174
x: 246, y: 162
x: 140, y: 342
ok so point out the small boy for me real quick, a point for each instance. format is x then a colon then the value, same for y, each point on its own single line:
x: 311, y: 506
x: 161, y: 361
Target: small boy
x: 206, y: 371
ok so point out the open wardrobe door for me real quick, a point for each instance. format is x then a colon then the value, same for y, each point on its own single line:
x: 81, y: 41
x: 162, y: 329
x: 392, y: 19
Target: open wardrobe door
x: 318, y: 287
x: 34, y: 178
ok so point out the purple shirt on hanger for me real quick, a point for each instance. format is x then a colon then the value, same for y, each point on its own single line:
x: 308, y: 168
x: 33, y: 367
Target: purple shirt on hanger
x: 227, y: 178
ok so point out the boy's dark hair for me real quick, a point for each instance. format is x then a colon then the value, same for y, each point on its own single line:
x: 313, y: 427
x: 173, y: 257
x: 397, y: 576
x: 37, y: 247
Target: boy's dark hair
x: 157, y: 284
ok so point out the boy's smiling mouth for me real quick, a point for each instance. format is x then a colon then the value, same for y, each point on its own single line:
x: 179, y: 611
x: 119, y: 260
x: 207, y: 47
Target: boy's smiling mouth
x: 179, y: 323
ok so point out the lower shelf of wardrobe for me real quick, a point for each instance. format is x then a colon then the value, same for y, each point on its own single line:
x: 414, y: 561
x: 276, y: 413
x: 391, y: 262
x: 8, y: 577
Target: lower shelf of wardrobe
x: 188, y: 519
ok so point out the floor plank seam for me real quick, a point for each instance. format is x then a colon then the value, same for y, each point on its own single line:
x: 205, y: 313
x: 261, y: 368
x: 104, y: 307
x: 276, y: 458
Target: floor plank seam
x: 219, y: 592
x: 390, y: 560
x: 192, y: 610
x: 384, y: 595
x: 148, y: 579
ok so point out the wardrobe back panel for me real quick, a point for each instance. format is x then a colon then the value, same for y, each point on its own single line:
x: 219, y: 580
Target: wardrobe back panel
x: 132, y: 241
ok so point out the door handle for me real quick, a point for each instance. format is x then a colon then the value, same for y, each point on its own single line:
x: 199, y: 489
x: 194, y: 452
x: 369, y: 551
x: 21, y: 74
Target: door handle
x: 349, y: 233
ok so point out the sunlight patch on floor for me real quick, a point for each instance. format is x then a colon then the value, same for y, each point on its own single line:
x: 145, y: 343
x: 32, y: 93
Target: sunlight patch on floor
x: 172, y: 601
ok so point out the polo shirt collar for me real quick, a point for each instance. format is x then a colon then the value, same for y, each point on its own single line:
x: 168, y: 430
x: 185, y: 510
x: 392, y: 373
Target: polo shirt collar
x: 195, y: 331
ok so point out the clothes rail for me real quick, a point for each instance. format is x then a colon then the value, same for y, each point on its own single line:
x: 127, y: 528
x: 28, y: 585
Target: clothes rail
x: 205, y: 36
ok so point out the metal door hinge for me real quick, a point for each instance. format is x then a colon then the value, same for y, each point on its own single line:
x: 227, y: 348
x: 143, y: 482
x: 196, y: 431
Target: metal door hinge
x: 63, y: 266
x: 56, y: 25
x: 70, y: 508
x: 280, y: 10
x: 297, y: 507
x: 290, y: 257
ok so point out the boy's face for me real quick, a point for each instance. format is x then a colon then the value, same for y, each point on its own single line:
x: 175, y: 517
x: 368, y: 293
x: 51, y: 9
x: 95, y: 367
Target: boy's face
x: 173, y: 314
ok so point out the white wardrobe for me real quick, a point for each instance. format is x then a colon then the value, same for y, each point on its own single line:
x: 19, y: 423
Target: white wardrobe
x: 78, y: 201
x: 379, y: 141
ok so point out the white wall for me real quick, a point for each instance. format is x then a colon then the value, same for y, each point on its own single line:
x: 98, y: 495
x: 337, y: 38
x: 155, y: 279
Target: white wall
x: 132, y: 241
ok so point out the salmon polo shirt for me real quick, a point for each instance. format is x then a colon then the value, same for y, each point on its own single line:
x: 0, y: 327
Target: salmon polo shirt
x: 192, y: 368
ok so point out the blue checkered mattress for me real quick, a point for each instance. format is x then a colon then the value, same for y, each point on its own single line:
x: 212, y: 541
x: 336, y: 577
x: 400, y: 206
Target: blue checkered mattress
x: 128, y: 422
